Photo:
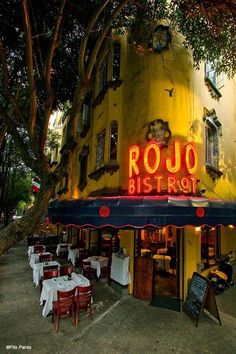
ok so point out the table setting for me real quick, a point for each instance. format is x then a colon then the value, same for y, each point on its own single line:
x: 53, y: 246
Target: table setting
x: 38, y: 270
x: 34, y: 258
x: 97, y: 262
x: 62, y: 283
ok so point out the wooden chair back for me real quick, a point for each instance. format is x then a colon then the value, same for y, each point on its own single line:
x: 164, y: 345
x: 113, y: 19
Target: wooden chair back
x: 83, y: 300
x: 49, y: 274
x: 64, y: 306
x: 63, y: 251
x: 45, y: 258
x: 66, y: 270
x: 87, y: 271
x: 39, y: 249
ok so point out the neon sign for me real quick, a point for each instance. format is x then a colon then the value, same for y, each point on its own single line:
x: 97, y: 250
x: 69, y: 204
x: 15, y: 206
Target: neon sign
x: 153, y: 169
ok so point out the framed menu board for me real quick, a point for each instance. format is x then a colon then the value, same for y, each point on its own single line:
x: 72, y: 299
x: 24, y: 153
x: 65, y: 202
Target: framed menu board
x: 200, y: 296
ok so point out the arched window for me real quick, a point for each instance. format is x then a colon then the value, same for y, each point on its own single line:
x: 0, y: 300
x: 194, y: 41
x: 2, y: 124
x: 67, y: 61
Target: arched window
x: 113, y: 141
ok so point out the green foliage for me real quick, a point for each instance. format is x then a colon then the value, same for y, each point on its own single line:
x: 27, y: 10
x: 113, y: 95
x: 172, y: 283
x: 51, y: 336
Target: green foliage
x: 16, y: 180
x: 209, y: 28
x: 53, y: 140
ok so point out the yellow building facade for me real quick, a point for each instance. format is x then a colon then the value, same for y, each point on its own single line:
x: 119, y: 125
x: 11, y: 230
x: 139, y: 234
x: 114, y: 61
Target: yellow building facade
x: 143, y: 96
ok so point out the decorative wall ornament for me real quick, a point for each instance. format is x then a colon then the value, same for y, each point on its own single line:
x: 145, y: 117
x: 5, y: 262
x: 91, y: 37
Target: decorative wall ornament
x: 160, y: 39
x: 159, y: 131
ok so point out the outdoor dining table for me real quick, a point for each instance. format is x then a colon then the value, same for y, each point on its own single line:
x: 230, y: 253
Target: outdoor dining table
x: 38, y: 270
x: 97, y: 262
x: 73, y: 254
x: 34, y: 258
x: 31, y: 250
x: 51, y: 286
x: 163, y: 261
x: 60, y: 245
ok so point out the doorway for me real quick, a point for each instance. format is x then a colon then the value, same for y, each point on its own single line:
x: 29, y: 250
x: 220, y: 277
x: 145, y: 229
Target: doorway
x: 161, y: 247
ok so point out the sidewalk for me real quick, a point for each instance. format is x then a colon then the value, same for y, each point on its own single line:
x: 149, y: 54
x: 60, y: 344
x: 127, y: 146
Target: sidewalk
x: 121, y: 324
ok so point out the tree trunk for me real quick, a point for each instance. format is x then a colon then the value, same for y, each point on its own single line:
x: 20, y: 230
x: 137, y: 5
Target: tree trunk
x: 22, y: 228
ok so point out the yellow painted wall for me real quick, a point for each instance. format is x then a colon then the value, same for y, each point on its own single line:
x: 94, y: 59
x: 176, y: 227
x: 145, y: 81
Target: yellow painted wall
x: 144, y: 97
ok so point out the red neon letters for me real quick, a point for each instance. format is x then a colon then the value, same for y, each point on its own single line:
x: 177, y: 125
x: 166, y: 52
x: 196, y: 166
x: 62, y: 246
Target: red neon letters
x: 153, y: 169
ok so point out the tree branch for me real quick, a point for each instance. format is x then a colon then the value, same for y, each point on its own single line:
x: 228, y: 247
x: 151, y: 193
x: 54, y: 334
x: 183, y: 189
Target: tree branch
x: 87, y: 32
x: 47, y: 73
x: 83, y: 87
x: 48, y: 64
x: 30, y: 68
x: 102, y: 37
x: 2, y: 135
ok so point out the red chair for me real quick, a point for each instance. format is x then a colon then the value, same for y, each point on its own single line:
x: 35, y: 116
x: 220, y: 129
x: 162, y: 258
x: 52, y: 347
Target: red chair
x: 39, y: 249
x: 63, y: 251
x: 64, y: 306
x: 87, y: 271
x: 66, y: 270
x: 83, y: 253
x: 49, y: 272
x: 83, y: 301
x: 45, y: 258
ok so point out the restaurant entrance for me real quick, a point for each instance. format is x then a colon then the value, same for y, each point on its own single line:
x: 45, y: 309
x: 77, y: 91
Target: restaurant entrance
x: 157, y: 267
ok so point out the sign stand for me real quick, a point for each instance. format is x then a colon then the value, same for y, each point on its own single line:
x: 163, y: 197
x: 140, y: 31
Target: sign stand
x: 200, y: 297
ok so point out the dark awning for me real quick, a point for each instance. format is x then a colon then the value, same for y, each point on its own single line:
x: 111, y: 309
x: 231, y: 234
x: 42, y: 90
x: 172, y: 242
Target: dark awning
x: 141, y: 212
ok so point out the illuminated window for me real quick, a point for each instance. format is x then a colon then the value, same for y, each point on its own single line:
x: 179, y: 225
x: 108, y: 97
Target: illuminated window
x: 100, y: 148
x: 103, y: 70
x: 113, y: 141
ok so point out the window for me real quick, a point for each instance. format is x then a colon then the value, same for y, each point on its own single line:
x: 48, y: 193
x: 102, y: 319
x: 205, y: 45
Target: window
x: 213, y: 81
x: 113, y: 141
x: 209, y: 245
x: 116, y: 61
x: 100, y: 149
x: 210, y: 73
x: 85, y: 115
x: 212, y: 145
x: 83, y: 157
x: 212, y: 134
x: 103, y: 70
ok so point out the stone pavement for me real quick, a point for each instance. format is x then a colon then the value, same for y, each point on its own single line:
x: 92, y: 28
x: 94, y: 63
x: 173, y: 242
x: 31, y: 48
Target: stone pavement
x: 121, y: 324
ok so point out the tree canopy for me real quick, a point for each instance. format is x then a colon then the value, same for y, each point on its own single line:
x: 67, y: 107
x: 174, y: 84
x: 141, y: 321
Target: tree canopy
x: 48, y: 52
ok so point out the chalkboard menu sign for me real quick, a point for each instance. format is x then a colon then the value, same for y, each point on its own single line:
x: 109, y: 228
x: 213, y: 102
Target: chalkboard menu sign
x: 200, y: 296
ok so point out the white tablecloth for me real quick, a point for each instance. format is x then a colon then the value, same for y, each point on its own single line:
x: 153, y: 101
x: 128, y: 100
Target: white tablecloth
x: 73, y: 254
x: 62, y: 244
x: 162, y: 250
x: 120, y: 269
x: 163, y: 261
x: 50, y: 287
x: 34, y: 258
x: 38, y: 270
x: 97, y: 262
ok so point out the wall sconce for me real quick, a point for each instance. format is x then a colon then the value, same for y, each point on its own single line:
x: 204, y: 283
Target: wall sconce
x: 198, y: 228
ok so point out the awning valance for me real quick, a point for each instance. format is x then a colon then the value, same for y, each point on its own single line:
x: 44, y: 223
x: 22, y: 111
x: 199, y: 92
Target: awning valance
x: 143, y: 211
